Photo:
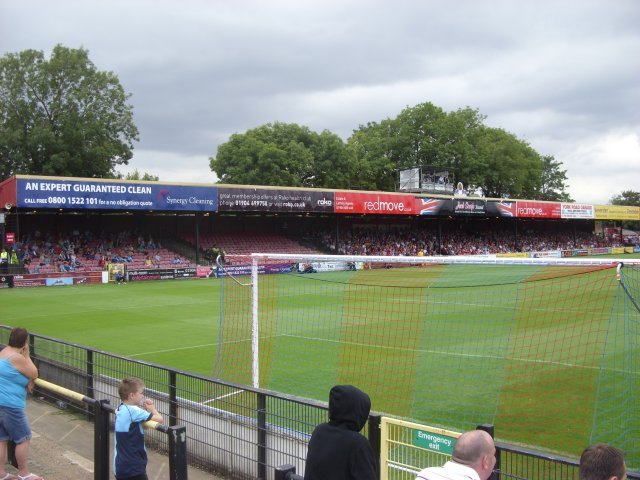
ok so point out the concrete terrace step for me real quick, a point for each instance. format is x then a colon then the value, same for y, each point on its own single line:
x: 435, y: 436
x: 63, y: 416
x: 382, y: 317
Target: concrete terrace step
x: 62, y: 447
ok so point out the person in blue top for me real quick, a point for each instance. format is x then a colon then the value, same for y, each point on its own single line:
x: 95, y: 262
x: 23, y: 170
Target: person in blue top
x: 17, y: 375
x: 130, y: 459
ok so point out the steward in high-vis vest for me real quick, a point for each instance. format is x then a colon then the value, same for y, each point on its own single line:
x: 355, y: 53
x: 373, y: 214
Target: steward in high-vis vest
x: 4, y: 260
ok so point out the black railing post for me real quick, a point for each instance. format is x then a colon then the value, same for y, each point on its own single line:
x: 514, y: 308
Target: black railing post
x: 11, y: 453
x: 375, y: 436
x: 101, y: 440
x: 262, y: 435
x: 90, y: 392
x: 197, y: 239
x: 177, y: 452
x: 283, y: 472
x: 490, y: 429
x: 173, y: 399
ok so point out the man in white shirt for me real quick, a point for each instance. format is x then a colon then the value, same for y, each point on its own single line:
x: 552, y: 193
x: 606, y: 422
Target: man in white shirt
x: 474, y: 456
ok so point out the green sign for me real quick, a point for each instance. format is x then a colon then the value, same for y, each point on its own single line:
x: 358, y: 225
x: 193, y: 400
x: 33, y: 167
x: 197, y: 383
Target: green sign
x: 434, y: 441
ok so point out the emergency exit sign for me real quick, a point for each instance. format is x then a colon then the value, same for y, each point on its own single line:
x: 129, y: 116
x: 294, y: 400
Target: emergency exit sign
x: 434, y: 442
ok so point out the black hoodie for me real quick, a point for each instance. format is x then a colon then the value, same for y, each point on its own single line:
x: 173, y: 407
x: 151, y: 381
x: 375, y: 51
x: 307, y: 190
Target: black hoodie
x: 336, y: 450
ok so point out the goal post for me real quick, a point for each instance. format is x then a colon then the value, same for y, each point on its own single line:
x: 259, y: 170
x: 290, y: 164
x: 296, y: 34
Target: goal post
x: 545, y: 349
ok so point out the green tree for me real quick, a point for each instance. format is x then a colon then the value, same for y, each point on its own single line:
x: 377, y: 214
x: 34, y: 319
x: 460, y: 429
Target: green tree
x: 426, y: 135
x: 136, y: 175
x: 285, y: 155
x: 627, y: 197
x: 553, y: 181
x: 421, y: 132
x: 509, y: 167
x: 373, y: 152
x: 429, y: 136
x: 331, y: 163
x: 62, y: 116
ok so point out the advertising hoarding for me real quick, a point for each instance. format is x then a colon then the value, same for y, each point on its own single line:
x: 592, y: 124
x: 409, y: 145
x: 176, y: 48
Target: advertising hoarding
x: 113, y: 195
x: 538, y: 209
x: 433, y: 206
x: 273, y: 200
x: 473, y: 207
x: 616, y: 212
x: 161, y: 274
x: 374, y: 203
x: 577, y: 210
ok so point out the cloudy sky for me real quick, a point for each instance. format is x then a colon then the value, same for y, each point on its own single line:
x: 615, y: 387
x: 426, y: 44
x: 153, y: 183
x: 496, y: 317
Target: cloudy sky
x: 563, y: 75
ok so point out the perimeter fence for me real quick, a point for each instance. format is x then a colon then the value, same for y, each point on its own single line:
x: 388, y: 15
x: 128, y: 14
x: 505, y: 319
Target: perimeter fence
x: 232, y: 430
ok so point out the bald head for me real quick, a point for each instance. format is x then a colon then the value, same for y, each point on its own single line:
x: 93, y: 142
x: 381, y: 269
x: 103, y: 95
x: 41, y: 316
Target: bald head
x: 475, y: 449
x: 472, y: 446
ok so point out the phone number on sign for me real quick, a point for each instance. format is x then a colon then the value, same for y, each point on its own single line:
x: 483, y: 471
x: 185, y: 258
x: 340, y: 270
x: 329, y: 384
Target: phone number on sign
x: 62, y: 201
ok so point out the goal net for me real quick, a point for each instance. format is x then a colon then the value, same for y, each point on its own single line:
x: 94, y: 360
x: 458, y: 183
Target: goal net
x: 545, y: 349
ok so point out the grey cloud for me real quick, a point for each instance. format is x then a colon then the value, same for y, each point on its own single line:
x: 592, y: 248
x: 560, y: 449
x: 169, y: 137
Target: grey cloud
x: 560, y: 74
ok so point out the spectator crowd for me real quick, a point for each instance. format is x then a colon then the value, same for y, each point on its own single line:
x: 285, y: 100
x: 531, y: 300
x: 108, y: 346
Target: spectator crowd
x: 70, y: 251
x: 410, y: 242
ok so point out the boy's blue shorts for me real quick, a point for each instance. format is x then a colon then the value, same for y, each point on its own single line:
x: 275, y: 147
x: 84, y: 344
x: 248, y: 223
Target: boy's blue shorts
x: 14, y: 425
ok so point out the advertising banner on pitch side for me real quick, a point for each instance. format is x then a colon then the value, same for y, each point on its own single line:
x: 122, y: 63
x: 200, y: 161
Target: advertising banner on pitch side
x: 114, y: 195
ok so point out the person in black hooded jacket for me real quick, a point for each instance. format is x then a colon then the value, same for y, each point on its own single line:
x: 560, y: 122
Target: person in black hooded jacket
x: 337, y: 451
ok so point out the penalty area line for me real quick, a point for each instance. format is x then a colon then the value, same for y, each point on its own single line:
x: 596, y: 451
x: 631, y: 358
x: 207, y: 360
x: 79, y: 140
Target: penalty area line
x: 222, y: 397
x: 176, y: 349
x: 172, y: 349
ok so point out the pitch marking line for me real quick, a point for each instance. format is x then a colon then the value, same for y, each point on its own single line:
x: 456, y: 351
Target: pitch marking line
x: 171, y: 349
x: 196, y: 346
x: 420, y: 350
x: 468, y: 355
x: 222, y: 397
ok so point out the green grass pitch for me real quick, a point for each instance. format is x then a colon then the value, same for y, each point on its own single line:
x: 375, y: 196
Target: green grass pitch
x: 173, y: 323
x: 179, y: 321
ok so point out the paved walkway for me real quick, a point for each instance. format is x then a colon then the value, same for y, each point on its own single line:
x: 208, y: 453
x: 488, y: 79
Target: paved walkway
x: 62, y: 447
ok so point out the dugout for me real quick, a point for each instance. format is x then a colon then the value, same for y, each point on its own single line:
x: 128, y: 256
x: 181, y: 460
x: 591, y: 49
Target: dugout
x: 182, y: 214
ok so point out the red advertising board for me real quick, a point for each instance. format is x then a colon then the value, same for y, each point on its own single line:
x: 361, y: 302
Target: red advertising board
x: 373, y: 204
x: 8, y: 192
x: 538, y: 209
x: 10, y: 237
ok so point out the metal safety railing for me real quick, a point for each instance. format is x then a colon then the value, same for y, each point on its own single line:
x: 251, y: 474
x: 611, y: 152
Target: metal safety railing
x: 233, y: 430
x: 102, y: 410
x: 408, y: 447
x: 286, y: 472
